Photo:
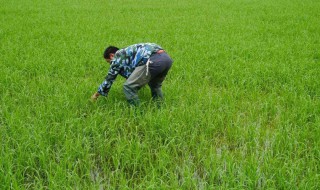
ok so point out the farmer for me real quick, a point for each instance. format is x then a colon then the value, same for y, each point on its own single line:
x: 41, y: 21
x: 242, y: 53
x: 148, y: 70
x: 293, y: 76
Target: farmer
x: 140, y: 64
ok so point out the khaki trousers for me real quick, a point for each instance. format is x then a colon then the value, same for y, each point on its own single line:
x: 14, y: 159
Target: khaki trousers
x: 152, y: 73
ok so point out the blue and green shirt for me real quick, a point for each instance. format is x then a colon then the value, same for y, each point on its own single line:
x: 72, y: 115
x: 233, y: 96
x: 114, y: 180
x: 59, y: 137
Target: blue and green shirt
x: 125, y: 61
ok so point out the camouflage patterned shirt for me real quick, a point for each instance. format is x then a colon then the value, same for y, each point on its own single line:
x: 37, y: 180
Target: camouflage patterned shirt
x: 125, y: 61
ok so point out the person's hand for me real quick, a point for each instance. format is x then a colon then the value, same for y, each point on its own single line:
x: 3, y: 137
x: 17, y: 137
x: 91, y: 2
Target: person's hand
x: 95, y: 96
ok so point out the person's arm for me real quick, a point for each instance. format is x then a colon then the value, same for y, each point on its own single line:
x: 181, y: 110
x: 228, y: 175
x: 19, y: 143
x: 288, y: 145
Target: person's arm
x: 104, y: 88
x: 95, y: 96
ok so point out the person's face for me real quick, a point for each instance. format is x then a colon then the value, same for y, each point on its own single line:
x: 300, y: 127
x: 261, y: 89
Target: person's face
x: 111, y: 55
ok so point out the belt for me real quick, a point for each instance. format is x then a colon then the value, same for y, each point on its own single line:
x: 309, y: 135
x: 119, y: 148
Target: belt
x: 160, y: 51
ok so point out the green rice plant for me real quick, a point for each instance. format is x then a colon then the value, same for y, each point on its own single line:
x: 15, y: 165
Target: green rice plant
x: 241, y: 107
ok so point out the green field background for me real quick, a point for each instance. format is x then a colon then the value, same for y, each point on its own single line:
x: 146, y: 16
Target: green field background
x: 242, y: 100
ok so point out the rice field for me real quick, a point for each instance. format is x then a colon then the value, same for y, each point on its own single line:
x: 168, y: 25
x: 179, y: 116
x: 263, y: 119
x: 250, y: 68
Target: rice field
x: 242, y: 100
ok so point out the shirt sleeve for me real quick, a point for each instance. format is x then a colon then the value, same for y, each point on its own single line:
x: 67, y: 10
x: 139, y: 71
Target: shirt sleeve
x: 113, y: 72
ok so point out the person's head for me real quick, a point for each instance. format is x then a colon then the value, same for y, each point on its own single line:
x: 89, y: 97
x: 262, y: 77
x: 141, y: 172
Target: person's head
x: 109, y: 53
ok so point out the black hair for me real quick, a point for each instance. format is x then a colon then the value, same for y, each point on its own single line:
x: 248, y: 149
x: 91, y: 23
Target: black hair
x: 110, y: 49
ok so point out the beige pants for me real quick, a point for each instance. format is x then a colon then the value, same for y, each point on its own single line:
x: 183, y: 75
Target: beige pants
x: 152, y: 74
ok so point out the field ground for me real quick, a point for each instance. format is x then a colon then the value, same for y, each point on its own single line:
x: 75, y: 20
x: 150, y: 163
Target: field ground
x: 242, y: 99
